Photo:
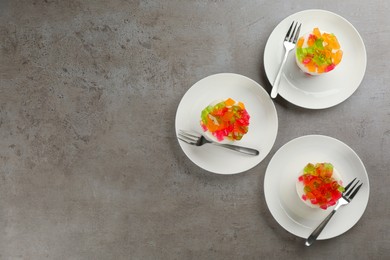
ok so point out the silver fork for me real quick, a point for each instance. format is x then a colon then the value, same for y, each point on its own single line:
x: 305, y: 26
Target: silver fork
x: 348, y: 194
x: 289, y: 43
x: 198, y: 140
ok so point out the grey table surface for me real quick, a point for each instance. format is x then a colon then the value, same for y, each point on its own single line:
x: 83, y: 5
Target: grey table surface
x: 89, y: 163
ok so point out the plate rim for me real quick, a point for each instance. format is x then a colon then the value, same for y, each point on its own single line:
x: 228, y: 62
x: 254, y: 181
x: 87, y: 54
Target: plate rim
x: 364, y: 51
x: 262, y: 92
x: 275, y: 211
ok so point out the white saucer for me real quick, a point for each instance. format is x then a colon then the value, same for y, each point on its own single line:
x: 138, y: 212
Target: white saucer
x: 323, y: 91
x: 280, y: 191
x: 262, y: 128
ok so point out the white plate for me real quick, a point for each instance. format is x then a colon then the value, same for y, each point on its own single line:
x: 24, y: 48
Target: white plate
x: 263, y: 124
x: 316, y: 92
x: 280, y: 191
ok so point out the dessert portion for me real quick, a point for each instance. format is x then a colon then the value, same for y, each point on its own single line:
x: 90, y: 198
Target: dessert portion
x: 318, y: 53
x: 225, y: 120
x: 319, y: 185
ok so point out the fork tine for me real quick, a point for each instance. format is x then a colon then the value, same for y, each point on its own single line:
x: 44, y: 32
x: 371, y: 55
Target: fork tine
x: 185, y: 140
x: 288, y: 32
x: 351, y: 189
x: 188, y: 134
x: 293, y: 33
x: 355, y: 191
x: 297, y: 34
x: 188, y: 138
x: 349, y: 185
x: 178, y: 137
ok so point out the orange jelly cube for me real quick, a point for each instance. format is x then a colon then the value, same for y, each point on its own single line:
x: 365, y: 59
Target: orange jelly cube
x: 227, y: 116
x: 326, y: 37
x: 321, y: 69
x: 311, y: 40
x: 335, y: 43
x: 311, y: 67
x: 336, y: 57
x: 327, y: 53
x: 310, y: 195
x: 300, y: 42
x: 317, y: 32
x: 241, y: 105
x: 332, y: 41
x: 211, y: 126
x: 229, y: 102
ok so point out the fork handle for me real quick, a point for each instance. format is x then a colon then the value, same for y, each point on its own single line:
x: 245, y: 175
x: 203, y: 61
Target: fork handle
x: 274, y: 91
x: 313, y: 237
x: 240, y: 149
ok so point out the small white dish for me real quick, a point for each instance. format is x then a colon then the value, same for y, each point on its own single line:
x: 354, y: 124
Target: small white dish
x: 280, y: 185
x: 323, y: 91
x: 263, y: 125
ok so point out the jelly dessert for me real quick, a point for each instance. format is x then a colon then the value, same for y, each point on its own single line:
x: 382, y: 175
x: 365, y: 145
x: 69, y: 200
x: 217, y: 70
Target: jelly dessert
x: 320, y: 185
x: 318, y: 53
x: 225, y: 120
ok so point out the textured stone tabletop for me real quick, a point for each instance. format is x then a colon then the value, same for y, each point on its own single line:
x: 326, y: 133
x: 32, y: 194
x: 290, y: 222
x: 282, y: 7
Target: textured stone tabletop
x: 90, y: 167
